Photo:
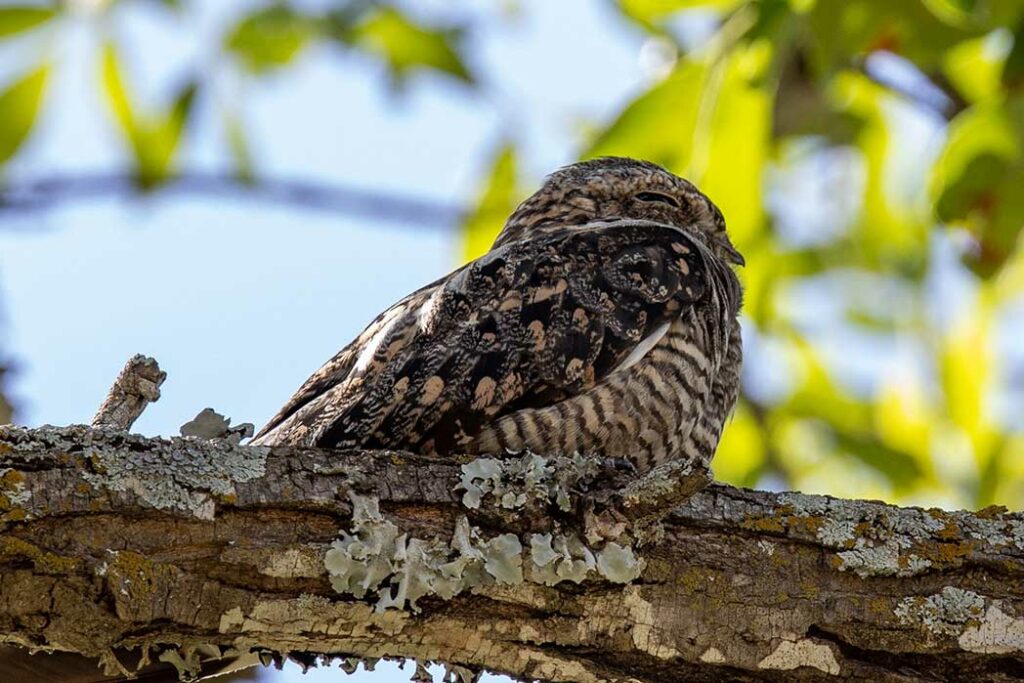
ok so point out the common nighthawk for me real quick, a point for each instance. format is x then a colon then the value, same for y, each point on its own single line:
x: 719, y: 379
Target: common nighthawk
x: 603, y: 320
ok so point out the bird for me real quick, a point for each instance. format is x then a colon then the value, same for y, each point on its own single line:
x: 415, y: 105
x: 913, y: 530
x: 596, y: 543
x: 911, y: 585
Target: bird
x: 603, y: 320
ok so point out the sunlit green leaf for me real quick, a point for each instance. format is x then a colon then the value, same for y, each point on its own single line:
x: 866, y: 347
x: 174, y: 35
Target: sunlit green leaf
x: 20, y: 18
x: 977, y: 182
x: 967, y: 373
x: 651, y: 12
x: 1013, y: 68
x: 889, y: 231
x: 740, y: 457
x: 19, y: 108
x: 974, y: 69
x: 153, y: 138
x: 498, y: 198
x: 733, y: 143
x: 270, y: 38
x: 658, y: 125
x: 407, y: 46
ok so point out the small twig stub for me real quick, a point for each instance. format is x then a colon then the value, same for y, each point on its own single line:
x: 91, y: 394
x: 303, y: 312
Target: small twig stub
x: 137, y: 386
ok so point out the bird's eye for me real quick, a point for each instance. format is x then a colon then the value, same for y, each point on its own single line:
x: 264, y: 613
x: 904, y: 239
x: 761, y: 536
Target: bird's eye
x: 657, y: 197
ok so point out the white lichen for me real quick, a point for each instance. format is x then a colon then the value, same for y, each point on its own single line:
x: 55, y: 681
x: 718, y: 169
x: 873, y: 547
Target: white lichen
x: 560, y: 557
x: 712, y: 655
x: 883, y: 559
x: 619, y: 564
x: 944, y: 613
x: 183, y: 476
x: 514, y: 482
x: 375, y: 557
x: 836, y: 532
x: 792, y: 654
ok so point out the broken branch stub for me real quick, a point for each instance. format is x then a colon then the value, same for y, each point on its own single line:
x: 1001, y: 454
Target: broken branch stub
x: 136, y: 386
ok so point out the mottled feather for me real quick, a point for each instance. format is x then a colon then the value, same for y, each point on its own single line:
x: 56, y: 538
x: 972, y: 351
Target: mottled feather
x: 527, y: 346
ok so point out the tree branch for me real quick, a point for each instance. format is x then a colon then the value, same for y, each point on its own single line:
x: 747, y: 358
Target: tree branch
x: 136, y: 386
x: 111, y: 541
x: 46, y: 193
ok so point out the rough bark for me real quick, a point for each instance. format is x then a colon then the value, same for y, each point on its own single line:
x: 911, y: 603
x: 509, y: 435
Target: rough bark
x: 136, y: 386
x: 111, y: 541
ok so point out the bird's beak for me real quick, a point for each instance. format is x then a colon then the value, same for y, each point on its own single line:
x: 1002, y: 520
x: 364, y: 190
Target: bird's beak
x: 732, y: 255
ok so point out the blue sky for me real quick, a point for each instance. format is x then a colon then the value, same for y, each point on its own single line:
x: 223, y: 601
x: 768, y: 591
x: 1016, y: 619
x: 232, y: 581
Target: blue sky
x: 239, y: 301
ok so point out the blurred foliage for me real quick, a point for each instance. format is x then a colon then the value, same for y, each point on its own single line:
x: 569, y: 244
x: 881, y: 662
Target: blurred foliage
x: 868, y: 156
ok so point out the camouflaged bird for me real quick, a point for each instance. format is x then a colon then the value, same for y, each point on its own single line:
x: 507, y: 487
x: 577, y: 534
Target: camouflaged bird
x: 603, y: 321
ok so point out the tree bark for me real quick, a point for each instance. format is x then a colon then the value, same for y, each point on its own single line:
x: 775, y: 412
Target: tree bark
x: 183, y: 549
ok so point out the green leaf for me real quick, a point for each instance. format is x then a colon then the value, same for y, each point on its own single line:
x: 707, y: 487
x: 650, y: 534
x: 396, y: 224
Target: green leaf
x: 153, y: 138
x: 19, y: 108
x: 658, y: 125
x: 973, y: 69
x: 652, y: 12
x: 270, y: 38
x: 18, y: 19
x: 407, y: 46
x: 1013, y: 68
x: 977, y: 182
x: 498, y: 198
x: 740, y: 457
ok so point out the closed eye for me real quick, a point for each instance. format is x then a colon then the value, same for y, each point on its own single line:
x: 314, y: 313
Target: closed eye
x: 657, y: 197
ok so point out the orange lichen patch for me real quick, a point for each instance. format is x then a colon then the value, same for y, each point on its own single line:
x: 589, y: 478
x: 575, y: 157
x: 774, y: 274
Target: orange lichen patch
x: 134, y: 576
x: 991, y: 512
x: 10, y: 480
x: 42, y: 560
x: 951, y: 531
x: 943, y: 554
x: 763, y: 524
x: 807, y: 525
x: 880, y: 605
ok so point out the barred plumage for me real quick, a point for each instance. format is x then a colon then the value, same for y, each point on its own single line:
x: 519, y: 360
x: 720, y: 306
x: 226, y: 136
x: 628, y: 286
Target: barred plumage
x: 602, y: 321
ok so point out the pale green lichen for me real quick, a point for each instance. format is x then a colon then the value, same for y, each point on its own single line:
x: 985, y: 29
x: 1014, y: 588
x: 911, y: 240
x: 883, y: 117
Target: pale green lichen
x: 377, y: 558
x: 514, y: 482
x: 560, y: 557
x: 944, y: 613
x: 618, y: 563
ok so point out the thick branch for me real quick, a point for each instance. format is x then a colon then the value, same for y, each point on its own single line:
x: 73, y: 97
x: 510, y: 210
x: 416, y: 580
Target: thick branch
x: 109, y: 540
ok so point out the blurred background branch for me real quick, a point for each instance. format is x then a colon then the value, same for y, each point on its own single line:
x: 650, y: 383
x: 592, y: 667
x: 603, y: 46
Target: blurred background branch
x: 42, y: 194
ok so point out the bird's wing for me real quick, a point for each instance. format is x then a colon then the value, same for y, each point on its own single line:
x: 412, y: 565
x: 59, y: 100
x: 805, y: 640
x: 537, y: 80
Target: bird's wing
x: 525, y: 325
x: 334, y: 371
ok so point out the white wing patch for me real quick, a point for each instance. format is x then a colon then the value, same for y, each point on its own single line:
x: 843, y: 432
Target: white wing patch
x: 644, y: 347
x: 429, y: 310
x: 366, y: 355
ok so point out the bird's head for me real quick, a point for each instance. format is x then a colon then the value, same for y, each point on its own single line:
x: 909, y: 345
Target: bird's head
x: 616, y: 188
